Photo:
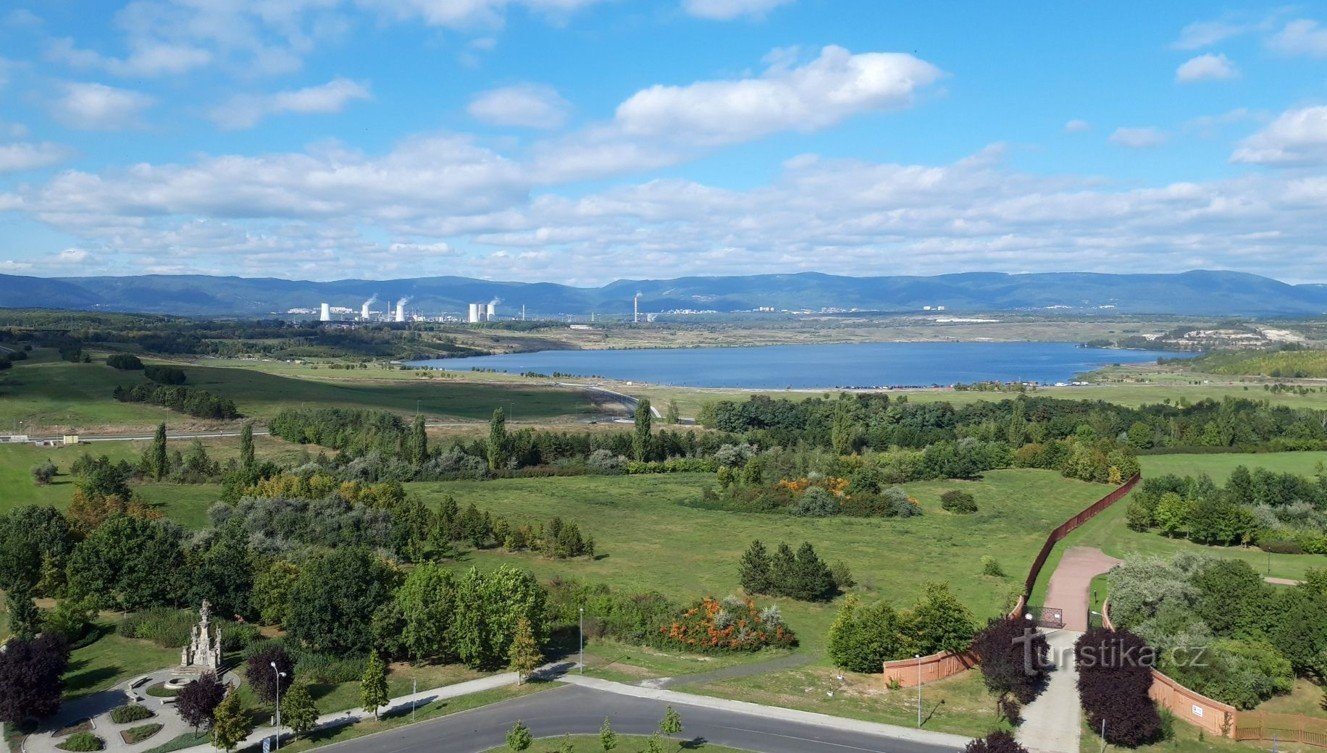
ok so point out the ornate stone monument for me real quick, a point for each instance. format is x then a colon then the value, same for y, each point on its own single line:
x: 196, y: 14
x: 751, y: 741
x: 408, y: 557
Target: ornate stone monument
x: 204, y: 650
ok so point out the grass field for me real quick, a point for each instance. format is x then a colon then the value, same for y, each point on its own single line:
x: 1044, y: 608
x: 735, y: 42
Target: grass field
x: 46, y: 396
x: 649, y: 539
x: 1109, y: 533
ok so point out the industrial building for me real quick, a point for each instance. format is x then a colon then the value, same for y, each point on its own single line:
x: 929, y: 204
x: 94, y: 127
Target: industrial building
x: 483, y: 312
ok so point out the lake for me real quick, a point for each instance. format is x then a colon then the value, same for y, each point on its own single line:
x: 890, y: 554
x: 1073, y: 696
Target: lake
x: 839, y: 365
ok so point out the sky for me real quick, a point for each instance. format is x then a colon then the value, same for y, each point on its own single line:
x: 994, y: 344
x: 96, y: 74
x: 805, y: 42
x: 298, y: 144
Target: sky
x: 584, y: 141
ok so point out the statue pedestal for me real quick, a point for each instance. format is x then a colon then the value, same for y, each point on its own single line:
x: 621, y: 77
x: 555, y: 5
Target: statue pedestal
x: 203, y: 654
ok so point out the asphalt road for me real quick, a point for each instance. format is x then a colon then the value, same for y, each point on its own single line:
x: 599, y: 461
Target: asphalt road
x: 578, y: 710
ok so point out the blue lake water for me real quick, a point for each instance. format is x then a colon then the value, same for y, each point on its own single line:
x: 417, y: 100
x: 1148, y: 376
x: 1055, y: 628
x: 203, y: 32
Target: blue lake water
x: 839, y: 365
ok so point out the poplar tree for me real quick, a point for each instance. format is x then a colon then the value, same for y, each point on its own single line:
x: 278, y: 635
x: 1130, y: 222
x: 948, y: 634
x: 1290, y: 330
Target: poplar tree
x: 497, y: 440
x: 417, y: 444
x: 246, y: 446
x: 158, y: 464
x: 640, y: 439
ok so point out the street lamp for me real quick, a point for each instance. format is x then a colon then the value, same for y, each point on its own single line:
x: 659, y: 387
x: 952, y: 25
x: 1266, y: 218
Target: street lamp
x: 279, y: 675
x: 919, y: 689
x: 582, y: 641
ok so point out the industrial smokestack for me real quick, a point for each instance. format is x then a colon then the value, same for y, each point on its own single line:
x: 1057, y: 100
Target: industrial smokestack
x: 474, y: 316
x: 325, y: 315
x: 400, y: 309
x: 364, y: 309
x: 491, y: 311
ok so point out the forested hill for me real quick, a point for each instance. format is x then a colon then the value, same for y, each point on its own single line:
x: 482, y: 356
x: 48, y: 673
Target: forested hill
x: 1206, y: 293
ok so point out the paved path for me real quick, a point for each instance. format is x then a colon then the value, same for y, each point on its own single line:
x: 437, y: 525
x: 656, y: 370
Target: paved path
x: 1072, y: 580
x: 578, y: 709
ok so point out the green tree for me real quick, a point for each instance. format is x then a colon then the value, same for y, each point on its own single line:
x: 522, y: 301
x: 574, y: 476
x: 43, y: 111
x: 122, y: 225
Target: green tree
x: 672, y: 414
x: 863, y: 638
x: 640, y: 436
x: 373, y: 686
x: 940, y: 622
x: 335, y: 597
x: 158, y: 464
x: 32, y: 538
x: 497, y: 441
x: 607, y: 737
x: 298, y: 709
x: 489, y: 606
x: 24, y: 617
x: 428, y: 605
x: 271, y: 592
x: 671, y: 724
x: 844, y: 429
x: 230, y: 723
x: 221, y: 570
x: 524, y: 656
x: 754, y: 569
x: 811, y: 580
x: 417, y: 443
x: 128, y: 564
x: 246, y: 446
x: 519, y: 737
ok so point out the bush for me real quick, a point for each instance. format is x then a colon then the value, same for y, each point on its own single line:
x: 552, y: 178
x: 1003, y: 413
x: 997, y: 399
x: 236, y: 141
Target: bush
x: 166, y: 627
x: 1114, y: 676
x: 862, y: 639
x: 43, y: 473
x: 124, y: 362
x: 958, y: 502
x: 996, y: 742
x: 82, y: 742
x: 1006, y: 647
x: 728, y: 626
x: 140, y: 733
x: 131, y: 713
x: 990, y: 566
x: 816, y: 502
x: 171, y: 375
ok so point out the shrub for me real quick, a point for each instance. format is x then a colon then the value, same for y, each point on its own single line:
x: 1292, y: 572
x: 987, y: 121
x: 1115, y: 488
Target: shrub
x: 996, y: 742
x: 1114, y: 676
x: 82, y: 742
x: 172, y: 375
x: 124, y: 362
x: 43, y: 473
x: 816, y: 502
x: 990, y: 566
x: 727, y: 626
x: 958, y: 502
x: 166, y: 627
x: 140, y: 733
x: 130, y: 713
x: 862, y: 639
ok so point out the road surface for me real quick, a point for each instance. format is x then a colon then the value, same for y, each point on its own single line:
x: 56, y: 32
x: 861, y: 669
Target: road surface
x: 579, y: 710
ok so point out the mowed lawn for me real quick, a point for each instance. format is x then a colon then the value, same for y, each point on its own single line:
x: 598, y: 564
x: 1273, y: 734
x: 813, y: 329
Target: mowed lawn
x: 1109, y: 533
x: 649, y: 539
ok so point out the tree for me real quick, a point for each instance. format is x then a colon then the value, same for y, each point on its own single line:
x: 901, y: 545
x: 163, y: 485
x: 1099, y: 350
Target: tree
x: 128, y: 564
x: 246, y: 446
x: 672, y: 414
x: 298, y: 709
x: 489, y: 607
x: 158, y: 465
x: 373, y: 686
x: 266, y: 683
x: 1114, y: 676
x: 939, y: 622
x: 270, y: 597
x: 811, y: 579
x: 671, y: 724
x: 862, y: 639
x: 996, y: 742
x: 334, y: 599
x: 197, y: 700
x: 640, y: 436
x: 30, y: 678
x: 524, y: 656
x: 417, y: 442
x: 844, y: 431
x: 519, y: 737
x: 24, y: 617
x: 607, y: 737
x: 221, y: 569
x: 754, y: 569
x: 496, y: 448
x: 428, y: 605
x: 230, y: 722
x: 32, y: 539
x: 1014, y: 658
x: 43, y: 473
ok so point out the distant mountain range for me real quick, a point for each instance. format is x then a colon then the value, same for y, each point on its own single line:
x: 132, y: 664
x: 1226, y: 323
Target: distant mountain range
x: 1201, y: 293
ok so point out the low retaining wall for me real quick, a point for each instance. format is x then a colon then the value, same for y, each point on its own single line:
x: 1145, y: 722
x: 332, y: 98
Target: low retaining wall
x: 1190, y: 706
x: 907, y: 672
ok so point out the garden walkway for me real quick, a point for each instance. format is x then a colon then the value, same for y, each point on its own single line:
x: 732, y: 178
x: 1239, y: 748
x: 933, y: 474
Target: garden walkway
x: 1053, y: 722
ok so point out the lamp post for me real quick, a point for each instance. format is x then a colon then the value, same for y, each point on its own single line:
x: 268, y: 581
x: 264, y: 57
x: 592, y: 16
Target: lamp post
x: 279, y: 675
x: 919, y: 689
x: 581, y: 639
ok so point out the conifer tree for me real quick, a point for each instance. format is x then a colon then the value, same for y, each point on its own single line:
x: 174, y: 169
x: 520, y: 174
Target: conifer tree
x: 640, y: 438
x: 754, y: 569
x: 607, y: 737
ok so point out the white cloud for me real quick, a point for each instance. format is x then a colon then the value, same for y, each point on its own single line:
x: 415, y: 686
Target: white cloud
x: 1301, y: 37
x: 1207, y: 67
x: 1296, y: 137
x: 1077, y: 126
x: 825, y: 91
x: 246, y: 110
x: 470, y: 14
x: 148, y: 58
x: 97, y: 107
x: 23, y: 156
x: 1202, y: 34
x: 528, y: 105
x: 1138, y: 138
x: 9, y: 266
x: 726, y: 10
x: 76, y: 256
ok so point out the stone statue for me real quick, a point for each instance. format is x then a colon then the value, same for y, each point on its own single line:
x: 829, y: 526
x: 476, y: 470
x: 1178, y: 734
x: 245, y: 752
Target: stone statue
x: 204, y: 649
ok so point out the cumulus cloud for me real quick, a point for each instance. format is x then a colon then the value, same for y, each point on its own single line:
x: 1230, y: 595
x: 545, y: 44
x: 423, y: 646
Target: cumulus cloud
x: 1301, y: 37
x: 1296, y: 137
x: 526, y: 105
x: 1202, y: 34
x: 726, y: 10
x: 246, y: 110
x: 1207, y: 67
x: 148, y: 58
x: 26, y: 156
x: 469, y: 14
x: 97, y: 107
x: 1077, y: 126
x: 1138, y: 138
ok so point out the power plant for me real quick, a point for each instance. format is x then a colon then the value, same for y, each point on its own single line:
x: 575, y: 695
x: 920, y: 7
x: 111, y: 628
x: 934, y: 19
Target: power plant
x: 325, y: 315
x: 483, y: 312
x: 400, y: 309
x: 395, y: 312
x: 364, y: 311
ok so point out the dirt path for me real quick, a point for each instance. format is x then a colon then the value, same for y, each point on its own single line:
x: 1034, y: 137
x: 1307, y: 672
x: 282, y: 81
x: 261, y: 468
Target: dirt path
x: 1072, y: 581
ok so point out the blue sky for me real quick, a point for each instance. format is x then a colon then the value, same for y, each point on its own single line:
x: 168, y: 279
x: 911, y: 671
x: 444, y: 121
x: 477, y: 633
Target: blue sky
x: 582, y: 141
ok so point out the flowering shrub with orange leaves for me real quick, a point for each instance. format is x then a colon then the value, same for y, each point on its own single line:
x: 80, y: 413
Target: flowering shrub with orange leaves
x: 713, y: 626
x: 832, y: 484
